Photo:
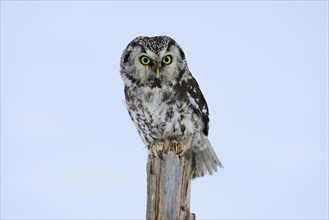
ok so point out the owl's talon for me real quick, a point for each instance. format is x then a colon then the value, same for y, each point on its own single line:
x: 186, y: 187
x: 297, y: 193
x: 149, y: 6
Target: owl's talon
x: 156, y: 149
x: 159, y: 149
x: 161, y: 156
x: 178, y: 147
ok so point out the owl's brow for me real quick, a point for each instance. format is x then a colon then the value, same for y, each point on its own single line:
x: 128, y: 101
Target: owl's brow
x: 155, y: 44
x: 128, y: 52
x: 142, y: 49
x: 173, y: 43
x: 170, y: 43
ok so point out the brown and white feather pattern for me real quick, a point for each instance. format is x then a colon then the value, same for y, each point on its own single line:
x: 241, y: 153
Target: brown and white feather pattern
x: 171, y: 106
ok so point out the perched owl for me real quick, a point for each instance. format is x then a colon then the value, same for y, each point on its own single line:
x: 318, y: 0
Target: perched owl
x: 165, y: 102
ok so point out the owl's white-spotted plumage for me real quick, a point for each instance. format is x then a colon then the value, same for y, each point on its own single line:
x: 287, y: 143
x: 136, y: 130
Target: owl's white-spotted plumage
x: 164, y: 100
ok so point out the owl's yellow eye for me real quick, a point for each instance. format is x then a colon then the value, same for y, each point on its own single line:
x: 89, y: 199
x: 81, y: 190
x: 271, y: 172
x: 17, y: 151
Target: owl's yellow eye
x: 145, y: 60
x: 167, y: 60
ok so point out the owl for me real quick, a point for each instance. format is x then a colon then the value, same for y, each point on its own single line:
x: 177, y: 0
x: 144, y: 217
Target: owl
x: 165, y: 102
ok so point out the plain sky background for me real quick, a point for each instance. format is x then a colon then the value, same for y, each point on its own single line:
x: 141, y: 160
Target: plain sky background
x: 70, y: 151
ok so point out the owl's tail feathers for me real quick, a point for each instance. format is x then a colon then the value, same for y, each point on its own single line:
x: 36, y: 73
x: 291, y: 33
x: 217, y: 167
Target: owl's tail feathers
x: 203, y: 160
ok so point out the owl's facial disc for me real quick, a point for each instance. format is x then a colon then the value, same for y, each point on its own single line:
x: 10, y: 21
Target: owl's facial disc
x: 146, y: 61
x: 156, y: 62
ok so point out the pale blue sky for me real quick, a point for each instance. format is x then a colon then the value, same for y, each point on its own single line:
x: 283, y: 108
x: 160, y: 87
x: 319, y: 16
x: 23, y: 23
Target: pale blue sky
x: 70, y: 151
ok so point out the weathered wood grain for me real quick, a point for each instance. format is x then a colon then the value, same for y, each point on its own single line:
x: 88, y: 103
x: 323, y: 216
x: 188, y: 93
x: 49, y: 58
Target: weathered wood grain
x: 168, y: 188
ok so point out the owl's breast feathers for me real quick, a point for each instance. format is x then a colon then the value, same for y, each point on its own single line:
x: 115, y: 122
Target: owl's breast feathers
x: 168, y: 108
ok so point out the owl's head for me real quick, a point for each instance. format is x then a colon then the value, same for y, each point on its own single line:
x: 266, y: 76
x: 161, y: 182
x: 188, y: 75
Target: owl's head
x: 152, y: 62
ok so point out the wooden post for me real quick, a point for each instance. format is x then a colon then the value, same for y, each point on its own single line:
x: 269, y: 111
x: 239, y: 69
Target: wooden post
x: 168, y: 188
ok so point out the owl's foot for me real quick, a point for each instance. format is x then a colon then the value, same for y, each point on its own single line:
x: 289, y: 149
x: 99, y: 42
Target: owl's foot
x: 178, y: 147
x: 158, y: 149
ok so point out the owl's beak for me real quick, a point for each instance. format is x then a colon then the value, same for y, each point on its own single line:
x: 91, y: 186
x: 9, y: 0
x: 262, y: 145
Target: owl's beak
x: 157, y: 71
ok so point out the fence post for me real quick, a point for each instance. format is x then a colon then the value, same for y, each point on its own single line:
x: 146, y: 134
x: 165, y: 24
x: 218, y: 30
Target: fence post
x: 168, y: 188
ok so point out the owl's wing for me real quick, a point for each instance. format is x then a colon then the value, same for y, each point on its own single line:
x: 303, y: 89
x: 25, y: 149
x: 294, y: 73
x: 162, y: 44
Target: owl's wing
x: 198, y: 102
